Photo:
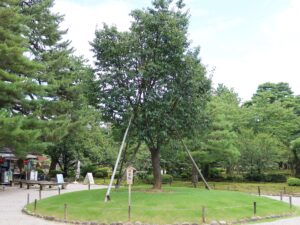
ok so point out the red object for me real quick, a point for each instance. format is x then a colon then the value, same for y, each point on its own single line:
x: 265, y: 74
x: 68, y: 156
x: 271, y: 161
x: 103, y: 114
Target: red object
x: 1, y: 160
x: 26, y: 161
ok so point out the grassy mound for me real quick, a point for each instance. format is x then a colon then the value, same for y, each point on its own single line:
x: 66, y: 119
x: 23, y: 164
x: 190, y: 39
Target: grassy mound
x: 173, y: 204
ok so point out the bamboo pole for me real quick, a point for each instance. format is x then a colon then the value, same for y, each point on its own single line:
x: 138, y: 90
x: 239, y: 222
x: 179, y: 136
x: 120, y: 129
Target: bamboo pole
x: 107, y: 196
x: 194, y: 163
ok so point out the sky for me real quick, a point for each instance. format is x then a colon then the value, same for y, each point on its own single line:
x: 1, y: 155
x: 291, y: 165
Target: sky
x: 245, y: 42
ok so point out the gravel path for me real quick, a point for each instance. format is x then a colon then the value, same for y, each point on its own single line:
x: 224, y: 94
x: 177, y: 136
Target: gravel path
x: 13, y: 199
x: 289, y: 221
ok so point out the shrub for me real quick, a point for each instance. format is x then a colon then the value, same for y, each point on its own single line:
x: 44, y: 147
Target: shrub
x: 40, y: 171
x: 141, y: 175
x: 254, y: 177
x: 235, y: 178
x: 53, y: 173
x: 275, y: 178
x: 89, y: 168
x: 260, y: 177
x: 215, y: 173
x: 186, y: 175
x: 165, y: 179
x: 293, y: 181
x: 101, y: 172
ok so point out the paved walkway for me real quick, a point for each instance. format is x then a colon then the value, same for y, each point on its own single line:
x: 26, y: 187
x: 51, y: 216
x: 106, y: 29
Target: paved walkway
x: 289, y: 221
x: 13, y: 199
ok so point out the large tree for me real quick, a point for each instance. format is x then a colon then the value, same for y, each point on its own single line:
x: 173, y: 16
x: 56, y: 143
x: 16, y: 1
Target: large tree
x: 151, y: 72
x: 19, y: 128
x: 63, y: 77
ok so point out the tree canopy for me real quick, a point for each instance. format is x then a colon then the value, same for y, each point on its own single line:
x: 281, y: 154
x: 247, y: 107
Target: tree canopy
x: 152, y: 72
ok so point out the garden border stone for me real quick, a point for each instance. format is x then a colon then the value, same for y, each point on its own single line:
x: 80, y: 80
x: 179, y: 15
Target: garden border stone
x: 220, y: 222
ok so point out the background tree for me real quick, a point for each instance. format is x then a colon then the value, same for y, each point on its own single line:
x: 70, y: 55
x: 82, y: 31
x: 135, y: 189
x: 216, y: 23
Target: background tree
x: 152, y: 72
x: 19, y: 128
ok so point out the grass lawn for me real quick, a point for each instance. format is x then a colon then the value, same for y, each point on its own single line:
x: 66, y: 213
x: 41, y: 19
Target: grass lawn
x: 266, y: 188
x: 174, y: 204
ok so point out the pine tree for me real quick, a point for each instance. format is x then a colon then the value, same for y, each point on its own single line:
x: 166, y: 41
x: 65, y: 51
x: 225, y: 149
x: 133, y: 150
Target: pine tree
x: 18, y: 128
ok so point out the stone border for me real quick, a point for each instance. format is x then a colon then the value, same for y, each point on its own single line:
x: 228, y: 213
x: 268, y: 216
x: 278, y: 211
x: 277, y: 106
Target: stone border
x: 214, y: 222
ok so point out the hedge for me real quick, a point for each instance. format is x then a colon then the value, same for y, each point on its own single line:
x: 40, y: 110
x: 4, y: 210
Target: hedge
x: 293, y: 181
x: 165, y: 179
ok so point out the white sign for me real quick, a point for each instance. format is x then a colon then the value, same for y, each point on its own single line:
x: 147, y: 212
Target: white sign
x: 33, y: 175
x: 89, y: 179
x: 129, y: 175
x: 60, y: 178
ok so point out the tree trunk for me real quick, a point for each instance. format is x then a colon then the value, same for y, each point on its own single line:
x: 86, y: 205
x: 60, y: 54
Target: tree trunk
x: 53, y: 165
x: 297, y: 169
x: 194, y: 176
x: 155, y: 159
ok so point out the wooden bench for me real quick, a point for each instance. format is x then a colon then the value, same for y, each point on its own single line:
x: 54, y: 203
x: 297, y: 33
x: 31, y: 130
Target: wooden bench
x: 41, y: 183
x: 51, y: 183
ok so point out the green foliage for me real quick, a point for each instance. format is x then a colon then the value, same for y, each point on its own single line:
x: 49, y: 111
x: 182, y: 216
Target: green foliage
x: 221, y: 139
x: 235, y: 178
x: 88, y: 168
x: 101, y: 172
x: 19, y: 129
x: 259, y: 152
x: 152, y: 72
x: 293, y: 181
x: 165, y: 179
x: 216, y: 173
x: 275, y: 178
x: 261, y: 177
x: 53, y: 173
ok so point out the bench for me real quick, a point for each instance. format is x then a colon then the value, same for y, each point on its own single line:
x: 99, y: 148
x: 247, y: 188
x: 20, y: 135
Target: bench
x: 51, y: 183
x: 41, y: 183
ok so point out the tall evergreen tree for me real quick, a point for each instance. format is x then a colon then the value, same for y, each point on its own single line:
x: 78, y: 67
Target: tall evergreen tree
x: 18, y: 128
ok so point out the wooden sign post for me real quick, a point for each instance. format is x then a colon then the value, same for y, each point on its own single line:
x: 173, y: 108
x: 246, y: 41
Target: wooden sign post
x: 129, y: 173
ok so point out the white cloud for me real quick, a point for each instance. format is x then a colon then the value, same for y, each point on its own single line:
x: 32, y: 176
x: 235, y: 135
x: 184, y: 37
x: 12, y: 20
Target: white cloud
x: 274, y: 57
x: 82, y: 20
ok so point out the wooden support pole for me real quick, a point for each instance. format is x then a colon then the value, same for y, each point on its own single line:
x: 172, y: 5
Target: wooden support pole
x: 65, y: 211
x: 129, y: 202
x: 203, y: 214
x: 254, y: 208
x: 28, y: 198
x: 58, y: 190
x: 290, y: 201
x: 89, y: 186
x: 107, y: 195
x: 281, y: 196
x: 258, y: 190
x: 194, y: 163
x: 40, y: 194
x: 35, y: 204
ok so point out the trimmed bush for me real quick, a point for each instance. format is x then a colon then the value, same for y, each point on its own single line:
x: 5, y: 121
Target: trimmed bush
x: 275, y: 177
x: 259, y: 177
x: 293, y: 181
x: 165, y: 179
x: 101, y: 172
